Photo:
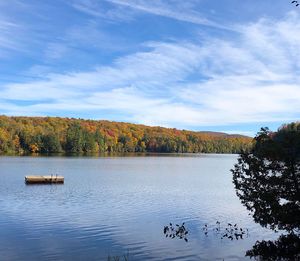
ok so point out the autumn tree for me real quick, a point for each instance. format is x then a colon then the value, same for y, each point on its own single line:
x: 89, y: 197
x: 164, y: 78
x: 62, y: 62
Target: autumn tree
x: 53, y: 134
x: 4, y: 140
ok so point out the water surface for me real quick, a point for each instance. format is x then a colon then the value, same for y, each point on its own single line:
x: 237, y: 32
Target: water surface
x: 115, y: 205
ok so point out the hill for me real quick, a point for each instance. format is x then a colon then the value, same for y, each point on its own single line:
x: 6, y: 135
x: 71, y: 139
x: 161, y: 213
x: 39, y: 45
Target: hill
x: 53, y: 134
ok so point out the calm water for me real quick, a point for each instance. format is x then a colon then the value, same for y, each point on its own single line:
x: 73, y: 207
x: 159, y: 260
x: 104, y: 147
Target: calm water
x: 115, y: 205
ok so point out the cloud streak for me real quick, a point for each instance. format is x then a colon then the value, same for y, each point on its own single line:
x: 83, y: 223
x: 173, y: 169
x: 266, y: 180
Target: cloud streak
x: 97, y: 9
x: 125, y: 10
x: 251, y: 78
x: 8, y: 30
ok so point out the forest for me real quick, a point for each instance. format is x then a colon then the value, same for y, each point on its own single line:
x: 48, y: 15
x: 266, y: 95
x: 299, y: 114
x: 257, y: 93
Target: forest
x: 21, y: 135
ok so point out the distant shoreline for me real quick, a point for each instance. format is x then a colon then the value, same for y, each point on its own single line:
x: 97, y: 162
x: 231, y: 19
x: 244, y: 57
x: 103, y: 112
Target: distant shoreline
x: 47, y: 135
x: 124, y: 154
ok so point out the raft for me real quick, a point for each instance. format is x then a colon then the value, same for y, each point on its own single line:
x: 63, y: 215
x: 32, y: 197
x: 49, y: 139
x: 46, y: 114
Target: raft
x: 44, y: 179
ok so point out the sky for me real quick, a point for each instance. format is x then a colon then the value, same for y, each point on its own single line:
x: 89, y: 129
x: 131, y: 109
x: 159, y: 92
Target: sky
x: 218, y: 65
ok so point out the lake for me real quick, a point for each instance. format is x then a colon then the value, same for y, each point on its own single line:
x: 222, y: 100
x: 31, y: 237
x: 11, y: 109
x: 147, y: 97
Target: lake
x: 119, y: 205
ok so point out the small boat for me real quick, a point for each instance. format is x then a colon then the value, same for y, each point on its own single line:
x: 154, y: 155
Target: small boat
x: 44, y: 179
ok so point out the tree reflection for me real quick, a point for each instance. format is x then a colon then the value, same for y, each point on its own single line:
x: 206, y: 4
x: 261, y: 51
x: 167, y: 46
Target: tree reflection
x: 267, y: 182
x: 285, y: 248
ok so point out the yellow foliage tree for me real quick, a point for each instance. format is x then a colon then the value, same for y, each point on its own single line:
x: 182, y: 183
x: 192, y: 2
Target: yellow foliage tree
x: 33, y: 148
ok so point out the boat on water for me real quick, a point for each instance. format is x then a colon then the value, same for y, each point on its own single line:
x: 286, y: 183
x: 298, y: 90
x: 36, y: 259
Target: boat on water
x: 50, y: 179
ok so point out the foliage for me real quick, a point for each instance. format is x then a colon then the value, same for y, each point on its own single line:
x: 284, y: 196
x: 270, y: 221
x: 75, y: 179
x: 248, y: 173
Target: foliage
x: 50, y: 135
x: 267, y: 178
x: 267, y: 181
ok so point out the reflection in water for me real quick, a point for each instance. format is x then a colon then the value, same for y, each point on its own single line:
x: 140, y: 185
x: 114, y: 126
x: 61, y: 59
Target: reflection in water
x: 232, y: 232
x: 287, y: 247
x: 110, y: 205
x: 177, y: 231
x: 118, y: 258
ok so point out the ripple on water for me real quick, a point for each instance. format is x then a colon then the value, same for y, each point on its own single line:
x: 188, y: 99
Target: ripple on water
x: 109, y: 206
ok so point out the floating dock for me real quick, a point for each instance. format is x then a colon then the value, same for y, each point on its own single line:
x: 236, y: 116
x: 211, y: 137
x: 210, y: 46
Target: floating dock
x: 44, y: 179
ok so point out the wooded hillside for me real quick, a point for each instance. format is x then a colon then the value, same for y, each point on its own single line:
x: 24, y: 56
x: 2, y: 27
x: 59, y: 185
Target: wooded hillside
x: 52, y: 134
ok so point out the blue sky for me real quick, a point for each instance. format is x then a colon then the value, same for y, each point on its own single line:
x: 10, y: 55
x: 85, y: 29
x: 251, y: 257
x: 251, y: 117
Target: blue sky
x: 229, y: 65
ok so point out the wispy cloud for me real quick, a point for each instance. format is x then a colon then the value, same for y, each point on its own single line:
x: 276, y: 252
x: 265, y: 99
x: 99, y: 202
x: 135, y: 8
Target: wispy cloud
x: 8, y: 30
x: 98, y: 9
x: 13, y: 32
x: 124, y: 10
x: 81, y: 40
x: 253, y: 77
x: 55, y: 50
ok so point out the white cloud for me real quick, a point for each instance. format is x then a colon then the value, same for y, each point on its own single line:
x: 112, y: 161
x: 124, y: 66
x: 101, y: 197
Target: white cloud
x: 124, y: 10
x: 241, y: 132
x: 8, y: 30
x: 97, y: 9
x: 252, y: 78
x: 177, y: 10
x: 13, y: 32
x: 90, y: 34
x: 242, y: 100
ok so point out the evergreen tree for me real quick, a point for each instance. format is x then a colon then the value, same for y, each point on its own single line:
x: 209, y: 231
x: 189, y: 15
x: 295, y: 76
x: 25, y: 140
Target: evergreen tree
x: 267, y: 181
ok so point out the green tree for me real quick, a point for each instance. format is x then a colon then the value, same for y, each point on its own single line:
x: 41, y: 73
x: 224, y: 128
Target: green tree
x: 100, y: 139
x: 74, y: 139
x: 88, y: 142
x: 51, y: 143
x: 267, y: 179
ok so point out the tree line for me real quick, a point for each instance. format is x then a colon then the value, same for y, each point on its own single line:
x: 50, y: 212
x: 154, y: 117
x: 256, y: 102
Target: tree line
x: 68, y: 135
